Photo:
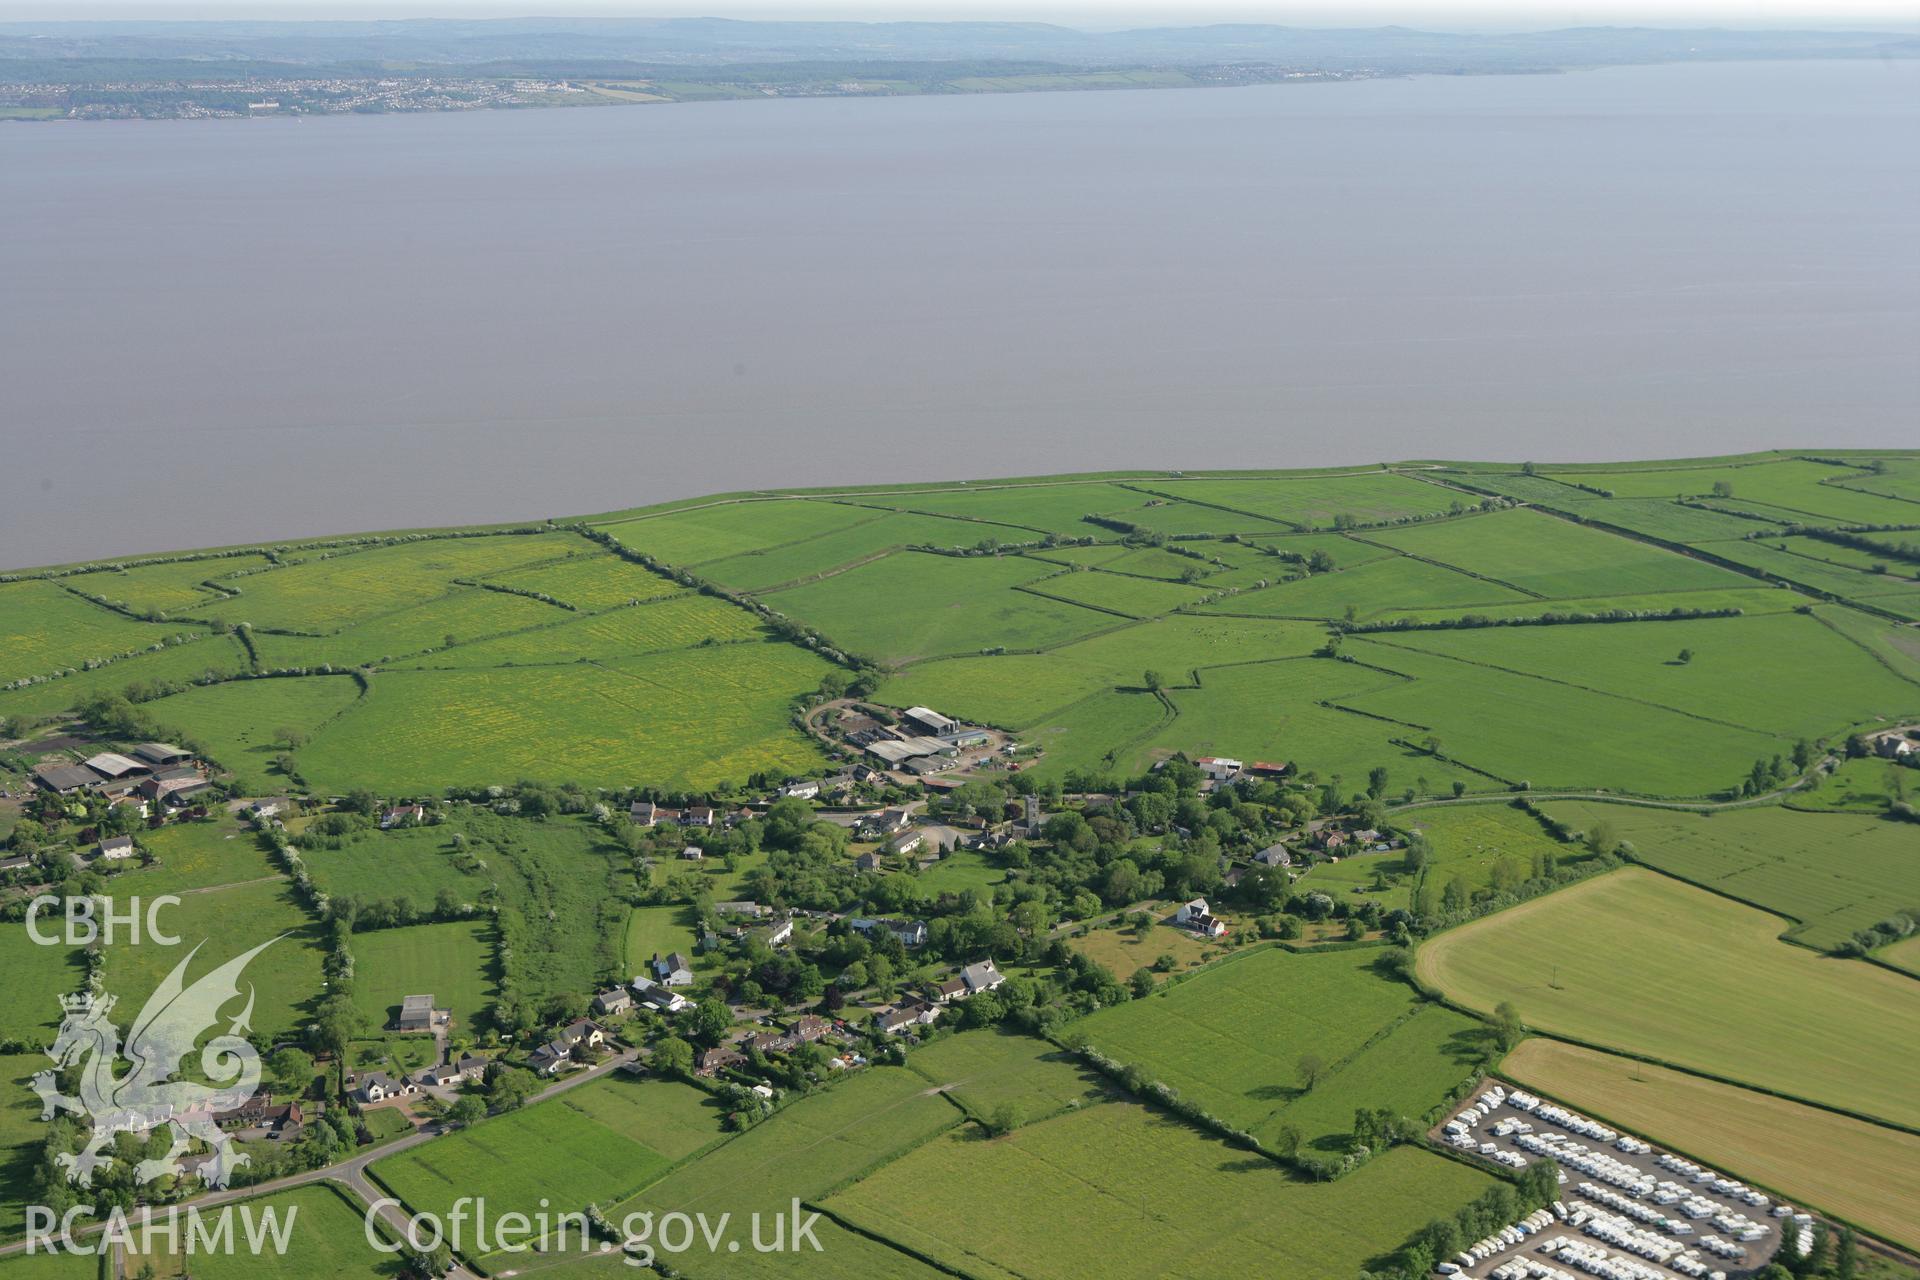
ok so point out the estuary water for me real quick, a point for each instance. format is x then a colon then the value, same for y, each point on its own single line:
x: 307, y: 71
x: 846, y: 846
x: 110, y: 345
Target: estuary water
x: 215, y: 332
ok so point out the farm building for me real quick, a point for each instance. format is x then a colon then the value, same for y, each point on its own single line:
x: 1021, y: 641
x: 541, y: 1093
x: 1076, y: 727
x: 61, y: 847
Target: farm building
x: 64, y: 779
x: 416, y: 1014
x: 111, y: 764
x: 906, y: 842
x: 967, y: 738
x: 925, y: 765
x: 1269, y: 768
x: 158, y: 753
x: 753, y: 909
x: 930, y: 720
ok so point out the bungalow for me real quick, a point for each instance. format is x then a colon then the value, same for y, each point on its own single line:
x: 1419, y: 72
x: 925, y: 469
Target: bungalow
x: 1219, y: 768
x: 111, y: 764
x: 930, y: 720
x: 378, y: 1086
x: 950, y: 990
x: 64, y: 779
x: 550, y: 1059
x: 1274, y: 855
x: 906, y: 842
x: 698, y: 816
x: 712, y: 1062
x: 800, y: 790
x: 116, y: 849
x: 614, y: 1000
x: 258, y: 1112
x: 439, y: 1077
x: 403, y: 815
x: 909, y: 1013
x: 779, y: 933
x: 674, y: 971
x: 644, y: 812
x: 156, y: 753
x: 416, y: 1014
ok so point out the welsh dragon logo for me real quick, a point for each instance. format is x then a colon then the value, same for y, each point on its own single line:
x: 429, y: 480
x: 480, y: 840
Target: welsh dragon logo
x: 148, y: 1097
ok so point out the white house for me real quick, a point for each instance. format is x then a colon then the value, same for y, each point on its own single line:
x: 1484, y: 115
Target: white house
x: 1195, y: 916
x: 800, y: 790
x: 117, y: 848
x: 1219, y: 768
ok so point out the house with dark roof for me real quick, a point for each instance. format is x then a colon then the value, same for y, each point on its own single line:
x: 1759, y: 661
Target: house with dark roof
x: 116, y: 849
x: 673, y: 971
x: 416, y: 1014
x: 712, y: 1062
x: 612, y: 1001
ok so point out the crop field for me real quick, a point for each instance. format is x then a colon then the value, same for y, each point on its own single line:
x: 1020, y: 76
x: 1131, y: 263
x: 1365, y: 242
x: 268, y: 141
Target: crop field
x: 674, y: 622
x: 240, y: 724
x: 451, y: 962
x: 1817, y: 684
x: 596, y: 1143
x: 1314, y: 501
x: 1551, y: 557
x: 320, y: 592
x: 1833, y: 873
x: 913, y: 605
x: 229, y: 921
x: 1791, y: 484
x: 1275, y: 711
x: 1398, y: 582
x: 1517, y: 727
x: 1866, y: 1173
x: 688, y: 718
x: 45, y: 628
x: 1134, y: 597
x: 164, y: 588
x: 884, y: 531
x: 589, y: 579
x: 1130, y: 1179
x: 695, y: 536
x: 986, y: 1070
x: 1642, y: 963
x: 1230, y: 1038
x: 1903, y: 955
x: 211, y: 655
x: 196, y: 855
x: 328, y: 1239
x: 816, y: 1144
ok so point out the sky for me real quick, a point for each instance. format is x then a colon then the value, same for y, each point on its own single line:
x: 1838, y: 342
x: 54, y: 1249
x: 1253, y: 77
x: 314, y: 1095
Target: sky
x: 1510, y: 15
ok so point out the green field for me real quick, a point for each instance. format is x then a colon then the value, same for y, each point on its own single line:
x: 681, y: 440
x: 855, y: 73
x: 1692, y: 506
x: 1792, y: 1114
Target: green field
x: 327, y: 1238
x: 1669, y: 521
x: 1230, y: 1038
x: 1472, y: 842
x: 687, y: 718
x: 597, y: 1143
x: 1312, y: 501
x: 196, y: 855
x: 1036, y: 508
x: 985, y: 1071
x: 1550, y: 557
x: 702, y: 534
x: 1397, y: 582
x: 239, y: 724
x: 45, y: 628
x: 22, y: 1133
x: 1129, y: 1182
x: 913, y: 605
x: 175, y: 588
x: 673, y: 622
x: 451, y: 962
x: 1798, y: 487
x: 1639, y: 962
x: 1119, y: 593
x: 210, y: 657
x: 589, y: 579
x: 1834, y: 874
x: 886, y: 531
x: 653, y: 931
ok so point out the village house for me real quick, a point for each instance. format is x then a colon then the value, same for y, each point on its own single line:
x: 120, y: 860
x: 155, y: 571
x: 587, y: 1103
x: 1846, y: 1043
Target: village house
x: 800, y: 790
x: 1219, y: 768
x: 116, y: 849
x: 550, y: 1059
x: 673, y: 971
x: 712, y: 1062
x: 1329, y: 839
x: 644, y: 812
x: 416, y: 1014
x: 1195, y: 916
x: 752, y: 909
x: 910, y: 1012
x: 439, y: 1077
x: 1274, y: 855
x: 402, y: 815
x: 906, y: 842
x: 867, y: 862
x: 378, y: 1086
x: 259, y: 1112
x: 981, y: 976
x: 912, y: 933
x: 698, y: 816
x: 270, y: 806
x: 582, y: 1031
x: 614, y: 1000
x: 887, y: 820
x: 1894, y: 746
x: 777, y: 934
x: 660, y: 997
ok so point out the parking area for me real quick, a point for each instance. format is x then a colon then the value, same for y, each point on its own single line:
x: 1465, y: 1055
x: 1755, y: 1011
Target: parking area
x: 1627, y: 1209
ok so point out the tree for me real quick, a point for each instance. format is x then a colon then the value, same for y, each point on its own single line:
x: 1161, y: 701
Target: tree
x: 1508, y: 1029
x: 711, y: 1021
x: 1377, y: 781
x: 1312, y: 1068
x: 1686, y: 656
x: 1142, y: 983
x: 1723, y: 488
x: 510, y: 1088
x: 1154, y: 681
x: 673, y: 1057
x: 292, y: 1070
x: 468, y: 1108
